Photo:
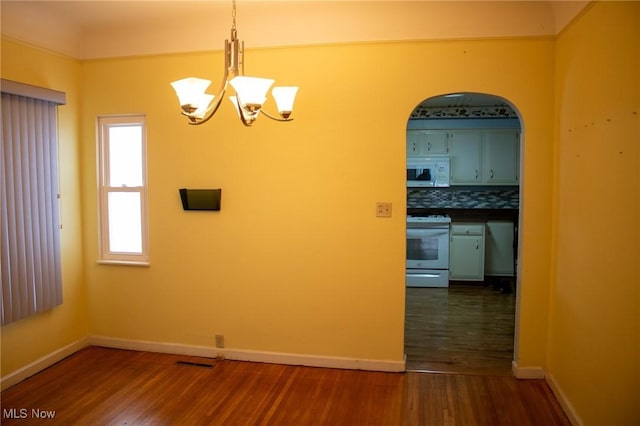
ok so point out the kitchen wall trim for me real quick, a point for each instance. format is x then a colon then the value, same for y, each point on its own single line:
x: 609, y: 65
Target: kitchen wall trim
x: 463, y: 123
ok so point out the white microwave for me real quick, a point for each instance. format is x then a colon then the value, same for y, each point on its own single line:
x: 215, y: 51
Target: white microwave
x: 429, y: 171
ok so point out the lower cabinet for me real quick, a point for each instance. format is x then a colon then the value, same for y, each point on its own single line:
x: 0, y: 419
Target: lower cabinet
x: 466, y: 252
x: 499, y: 241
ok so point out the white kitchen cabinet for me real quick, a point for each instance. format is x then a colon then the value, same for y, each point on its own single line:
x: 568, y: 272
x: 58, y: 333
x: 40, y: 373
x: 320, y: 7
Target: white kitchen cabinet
x: 478, y: 157
x: 499, y: 238
x: 436, y: 142
x: 414, y: 143
x: 424, y: 143
x: 466, y: 252
x: 465, y: 151
x: 484, y: 157
x: 501, y: 154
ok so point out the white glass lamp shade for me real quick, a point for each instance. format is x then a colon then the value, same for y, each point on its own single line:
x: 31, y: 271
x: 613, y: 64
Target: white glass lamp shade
x: 252, y: 91
x: 234, y: 101
x: 202, y: 105
x: 285, y: 96
x: 191, y: 90
x: 248, y: 117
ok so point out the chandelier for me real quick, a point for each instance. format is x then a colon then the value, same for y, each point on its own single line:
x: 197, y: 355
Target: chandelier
x: 250, y: 92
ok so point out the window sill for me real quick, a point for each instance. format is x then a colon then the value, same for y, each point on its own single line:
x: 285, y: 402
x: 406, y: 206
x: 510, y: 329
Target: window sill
x: 123, y: 263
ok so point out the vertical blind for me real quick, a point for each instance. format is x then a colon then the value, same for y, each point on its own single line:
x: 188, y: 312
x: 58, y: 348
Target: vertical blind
x: 29, y: 217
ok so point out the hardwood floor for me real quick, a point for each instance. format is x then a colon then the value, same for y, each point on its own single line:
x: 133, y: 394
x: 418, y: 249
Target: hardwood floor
x: 99, y: 386
x: 461, y: 329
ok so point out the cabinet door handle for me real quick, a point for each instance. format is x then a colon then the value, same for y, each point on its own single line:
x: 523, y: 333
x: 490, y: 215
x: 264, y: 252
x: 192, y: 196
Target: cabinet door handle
x: 428, y: 146
x: 477, y: 245
x: 491, y: 173
x: 476, y: 173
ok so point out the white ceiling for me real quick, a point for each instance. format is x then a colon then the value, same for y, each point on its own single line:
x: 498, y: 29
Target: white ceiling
x: 87, y: 29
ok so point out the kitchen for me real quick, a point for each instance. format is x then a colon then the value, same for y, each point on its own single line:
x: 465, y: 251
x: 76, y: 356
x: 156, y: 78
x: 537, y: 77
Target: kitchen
x: 463, y: 166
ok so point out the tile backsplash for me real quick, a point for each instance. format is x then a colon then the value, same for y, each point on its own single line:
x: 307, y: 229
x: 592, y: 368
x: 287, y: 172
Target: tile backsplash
x: 459, y: 198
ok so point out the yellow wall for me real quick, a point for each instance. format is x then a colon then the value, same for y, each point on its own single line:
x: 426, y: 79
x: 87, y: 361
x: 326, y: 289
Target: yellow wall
x: 594, y: 339
x: 32, y: 338
x: 296, y: 261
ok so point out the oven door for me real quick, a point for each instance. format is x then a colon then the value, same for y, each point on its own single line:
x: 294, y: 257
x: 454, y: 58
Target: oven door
x: 428, y: 248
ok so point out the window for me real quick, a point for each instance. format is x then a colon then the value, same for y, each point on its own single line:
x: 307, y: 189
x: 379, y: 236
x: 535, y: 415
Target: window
x: 123, y: 189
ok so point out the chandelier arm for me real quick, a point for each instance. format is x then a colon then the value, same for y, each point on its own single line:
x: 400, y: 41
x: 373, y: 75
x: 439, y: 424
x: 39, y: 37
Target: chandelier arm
x: 212, y: 108
x: 230, y: 53
x: 274, y: 117
x: 241, y: 114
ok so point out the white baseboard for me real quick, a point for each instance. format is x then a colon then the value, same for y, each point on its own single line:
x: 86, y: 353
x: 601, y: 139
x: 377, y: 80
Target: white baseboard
x: 42, y: 363
x: 248, y: 355
x: 563, y: 400
x: 527, y: 372
x: 203, y: 351
x: 540, y: 373
x: 148, y: 346
x: 317, y: 361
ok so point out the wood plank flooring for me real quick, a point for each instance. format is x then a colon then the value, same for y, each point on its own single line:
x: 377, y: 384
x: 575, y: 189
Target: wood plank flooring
x: 461, y: 329
x: 99, y: 386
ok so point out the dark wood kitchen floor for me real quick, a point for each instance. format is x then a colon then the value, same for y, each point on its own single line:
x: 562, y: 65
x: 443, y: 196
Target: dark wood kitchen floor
x: 461, y: 329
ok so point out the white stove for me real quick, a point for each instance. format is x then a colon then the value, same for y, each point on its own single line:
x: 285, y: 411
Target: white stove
x: 428, y: 251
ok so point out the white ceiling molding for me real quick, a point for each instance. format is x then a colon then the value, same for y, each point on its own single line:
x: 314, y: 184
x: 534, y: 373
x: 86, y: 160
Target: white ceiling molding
x: 99, y: 29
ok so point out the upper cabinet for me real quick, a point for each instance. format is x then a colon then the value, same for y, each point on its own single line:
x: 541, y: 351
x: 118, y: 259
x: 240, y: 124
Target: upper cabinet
x: 465, y: 151
x: 501, y: 156
x: 436, y: 141
x: 478, y: 156
x: 424, y: 143
x: 484, y: 157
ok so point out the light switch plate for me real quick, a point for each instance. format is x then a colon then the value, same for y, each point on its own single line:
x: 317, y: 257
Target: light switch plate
x: 383, y: 209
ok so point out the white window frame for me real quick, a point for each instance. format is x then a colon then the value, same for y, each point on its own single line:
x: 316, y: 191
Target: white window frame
x: 106, y: 255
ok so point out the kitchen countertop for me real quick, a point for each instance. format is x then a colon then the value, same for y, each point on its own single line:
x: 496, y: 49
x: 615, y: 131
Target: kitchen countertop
x: 468, y: 214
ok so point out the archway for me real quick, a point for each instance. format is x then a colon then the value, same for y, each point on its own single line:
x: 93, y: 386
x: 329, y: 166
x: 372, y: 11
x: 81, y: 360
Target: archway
x: 469, y: 325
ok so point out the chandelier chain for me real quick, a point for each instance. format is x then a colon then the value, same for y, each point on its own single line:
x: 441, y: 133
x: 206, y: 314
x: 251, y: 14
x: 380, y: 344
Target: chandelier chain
x: 233, y: 15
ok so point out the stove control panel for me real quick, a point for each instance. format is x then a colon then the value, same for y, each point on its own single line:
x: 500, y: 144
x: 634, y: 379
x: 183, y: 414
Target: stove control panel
x: 429, y: 219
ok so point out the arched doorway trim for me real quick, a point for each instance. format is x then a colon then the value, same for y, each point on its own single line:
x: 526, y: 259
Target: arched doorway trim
x: 477, y: 110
